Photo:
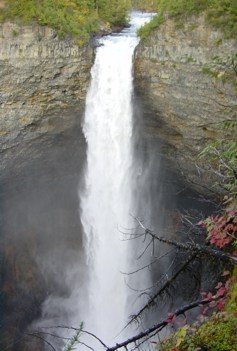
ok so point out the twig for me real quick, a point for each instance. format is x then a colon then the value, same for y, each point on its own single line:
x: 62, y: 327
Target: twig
x: 161, y: 290
x: 159, y: 326
x: 77, y: 329
x: 41, y: 338
x: 195, y: 248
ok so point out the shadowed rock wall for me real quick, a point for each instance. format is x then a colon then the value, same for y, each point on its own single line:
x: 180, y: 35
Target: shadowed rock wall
x: 44, y: 81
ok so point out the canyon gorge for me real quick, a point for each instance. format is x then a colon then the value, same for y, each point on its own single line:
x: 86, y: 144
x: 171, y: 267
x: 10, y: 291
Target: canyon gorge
x: 44, y: 83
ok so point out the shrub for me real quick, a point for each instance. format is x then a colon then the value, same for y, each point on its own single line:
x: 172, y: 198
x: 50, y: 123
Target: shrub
x: 221, y: 14
x: 156, y: 21
x: 74, y: 17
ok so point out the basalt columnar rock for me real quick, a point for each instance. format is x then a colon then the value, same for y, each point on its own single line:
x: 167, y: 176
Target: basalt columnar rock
x: 182, y: 105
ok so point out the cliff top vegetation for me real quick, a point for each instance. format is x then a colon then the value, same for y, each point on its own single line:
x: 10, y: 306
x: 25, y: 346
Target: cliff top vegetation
x: 221, y: 14
x: 78, y: 18
x: 145, y: 5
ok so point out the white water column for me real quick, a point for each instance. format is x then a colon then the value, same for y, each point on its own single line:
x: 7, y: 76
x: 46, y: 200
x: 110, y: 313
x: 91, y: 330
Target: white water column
x: 106, y: 200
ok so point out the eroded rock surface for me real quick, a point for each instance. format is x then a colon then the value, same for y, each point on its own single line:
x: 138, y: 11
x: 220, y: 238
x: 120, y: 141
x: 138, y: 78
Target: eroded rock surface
x: 43, y: 85
x: 182, y: 105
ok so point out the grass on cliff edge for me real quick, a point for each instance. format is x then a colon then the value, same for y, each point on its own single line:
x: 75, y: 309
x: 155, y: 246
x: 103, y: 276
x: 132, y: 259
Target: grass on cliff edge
x: 77, y: 18
x: 221, y: 14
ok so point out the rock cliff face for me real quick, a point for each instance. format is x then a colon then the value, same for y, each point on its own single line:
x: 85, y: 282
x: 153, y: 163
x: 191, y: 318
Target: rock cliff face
x: 182, y: 105
x: 43, y: 84
x: 44, y: 81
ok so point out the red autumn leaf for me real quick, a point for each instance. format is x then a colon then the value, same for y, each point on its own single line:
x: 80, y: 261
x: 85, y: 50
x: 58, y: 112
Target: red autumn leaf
x: 212, y: 304
x: 220, y: 304
x: 225, y: 273
x: 231, y: 213
x: 200, y: 223
x: 228, y: 283
x: 213, y: 240
x: 171, y: 318
x: 219, y: 285
x: 221, y: 291
x: 220, y: 219
x: 209, y: 295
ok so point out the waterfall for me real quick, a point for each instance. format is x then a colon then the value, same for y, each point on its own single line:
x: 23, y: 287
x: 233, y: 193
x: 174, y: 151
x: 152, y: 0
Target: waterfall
x: 106, y: 199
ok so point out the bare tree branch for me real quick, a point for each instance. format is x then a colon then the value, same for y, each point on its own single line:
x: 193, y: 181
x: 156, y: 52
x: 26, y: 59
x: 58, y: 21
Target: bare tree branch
x: 41, y: 338
x: 151, y: 301
x: 149, y: 264
x: 77, y: 329
x: 37, y: 332
x: 84, y: 344
x: 195, y: 248
x: 159, y: 326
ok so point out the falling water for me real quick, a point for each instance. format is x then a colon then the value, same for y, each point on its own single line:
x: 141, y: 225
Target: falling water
x: 106, y: 201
